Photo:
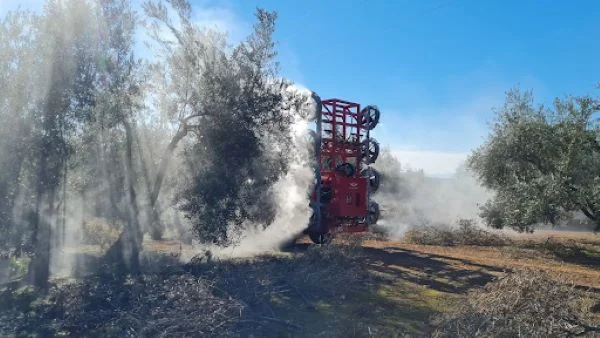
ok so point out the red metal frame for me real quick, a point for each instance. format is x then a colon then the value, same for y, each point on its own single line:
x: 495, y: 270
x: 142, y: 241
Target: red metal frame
x: 341, y: 134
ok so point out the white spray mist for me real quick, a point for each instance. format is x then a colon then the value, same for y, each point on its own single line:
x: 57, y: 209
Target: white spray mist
x: 410, y: 198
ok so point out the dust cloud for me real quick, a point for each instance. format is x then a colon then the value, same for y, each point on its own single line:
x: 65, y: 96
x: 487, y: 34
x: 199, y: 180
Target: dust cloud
x: 410, y: 198
x: 407, y: 198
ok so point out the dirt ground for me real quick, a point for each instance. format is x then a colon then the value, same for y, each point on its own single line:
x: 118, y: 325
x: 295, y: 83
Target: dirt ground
x: 419, y: 281
x: 455, y: 269
x: 479, y: 264
x: 291, y: 293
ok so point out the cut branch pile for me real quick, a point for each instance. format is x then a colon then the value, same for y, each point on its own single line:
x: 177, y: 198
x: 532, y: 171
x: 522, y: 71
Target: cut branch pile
x: 526, y: 303
x: 466, y: 233
x: 219, y: 298
x: 151, y: 305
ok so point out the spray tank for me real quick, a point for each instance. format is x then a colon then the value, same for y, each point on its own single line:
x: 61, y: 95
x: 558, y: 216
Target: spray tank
x: 343, y: 152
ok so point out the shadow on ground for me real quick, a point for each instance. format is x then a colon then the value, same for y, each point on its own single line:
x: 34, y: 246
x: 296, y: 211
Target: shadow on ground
x: 576, y: 253
x: 433, y: 271
x: 309, y: 291
x: 438, y: 272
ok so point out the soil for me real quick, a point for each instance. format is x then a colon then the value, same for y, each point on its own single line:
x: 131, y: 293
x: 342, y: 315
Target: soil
x: 374, y: 288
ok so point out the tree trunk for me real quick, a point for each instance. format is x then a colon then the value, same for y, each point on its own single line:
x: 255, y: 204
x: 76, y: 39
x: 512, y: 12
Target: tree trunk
x: 63, y: 223
x: 125, y: 251
x: 11, y: 202
x: 590, y: 214
x: 156, y: 230
x: 160, y: 177
x: 164, y: 164
x: 39, y: 266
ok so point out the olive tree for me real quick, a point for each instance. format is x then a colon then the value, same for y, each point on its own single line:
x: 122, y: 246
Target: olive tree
x: 542, y: 162
x: 231, y: 113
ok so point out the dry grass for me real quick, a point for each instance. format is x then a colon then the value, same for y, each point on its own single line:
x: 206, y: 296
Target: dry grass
x: 527, y: 303
x: 465, y: 233
x: 114, y: 306
x: 360, y: 286
x: 499, y: 258
x: 219, y: 298
x: 582, y: 237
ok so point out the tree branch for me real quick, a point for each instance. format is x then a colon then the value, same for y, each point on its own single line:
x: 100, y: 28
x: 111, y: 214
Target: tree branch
x: 587, y: 213
x: 164, y: 163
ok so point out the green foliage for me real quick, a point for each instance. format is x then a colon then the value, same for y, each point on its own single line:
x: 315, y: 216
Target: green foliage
x: 17, y: 49
x: 90, y: 131
x: 543, y: 163
x: 237, y: 114
x: 67, y: 84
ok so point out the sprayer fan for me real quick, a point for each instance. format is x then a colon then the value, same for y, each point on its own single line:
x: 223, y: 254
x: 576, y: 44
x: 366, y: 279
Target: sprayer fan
x: 369, y: 117
x: 373, y: 213
x: 370, y: 150
x: 374, y: 178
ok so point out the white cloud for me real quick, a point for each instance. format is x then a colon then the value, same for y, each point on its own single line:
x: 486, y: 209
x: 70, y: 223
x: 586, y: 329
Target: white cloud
x: 433, y: 163
x: 222, y: 19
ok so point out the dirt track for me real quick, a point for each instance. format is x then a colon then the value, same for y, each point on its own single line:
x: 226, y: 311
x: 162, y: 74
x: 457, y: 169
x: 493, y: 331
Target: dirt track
x: 474, y: 265
x: 387, y: 288
x: 457, y: 268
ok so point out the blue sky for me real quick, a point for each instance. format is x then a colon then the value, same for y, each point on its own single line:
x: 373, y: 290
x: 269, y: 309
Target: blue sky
x: 435, y: 68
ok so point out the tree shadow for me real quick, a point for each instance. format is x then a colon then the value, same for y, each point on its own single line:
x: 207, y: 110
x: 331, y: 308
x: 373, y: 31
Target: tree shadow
x: 308, y: 296
x: 429, y: 269
x: 334, y: 291
x: 575, y: 253
x: 315, y: 291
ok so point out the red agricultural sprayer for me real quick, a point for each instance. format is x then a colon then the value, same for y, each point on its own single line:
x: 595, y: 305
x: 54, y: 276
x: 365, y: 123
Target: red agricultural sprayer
x: 341, y: 200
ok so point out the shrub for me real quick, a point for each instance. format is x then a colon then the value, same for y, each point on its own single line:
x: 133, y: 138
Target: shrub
x: 465, y: 233
x: 96, y: 231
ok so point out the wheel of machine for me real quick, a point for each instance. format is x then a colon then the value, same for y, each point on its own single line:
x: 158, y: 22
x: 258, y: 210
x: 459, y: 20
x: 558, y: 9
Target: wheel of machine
x: 373, y: 213
x: 369, y: 117
x: 370, y: 149
x: 320, y: 237
x: 374, y: 178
